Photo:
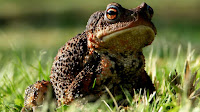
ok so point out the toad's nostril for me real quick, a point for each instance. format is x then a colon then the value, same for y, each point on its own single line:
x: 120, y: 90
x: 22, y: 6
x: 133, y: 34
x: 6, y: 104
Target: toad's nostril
x: 147, y: 10
x: 150, y: 10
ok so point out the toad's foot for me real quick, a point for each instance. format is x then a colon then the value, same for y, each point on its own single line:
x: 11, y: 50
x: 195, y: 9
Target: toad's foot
x: 36, y: 94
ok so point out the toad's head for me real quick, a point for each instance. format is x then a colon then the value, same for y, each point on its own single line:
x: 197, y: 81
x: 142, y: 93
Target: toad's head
x: 118, y: 29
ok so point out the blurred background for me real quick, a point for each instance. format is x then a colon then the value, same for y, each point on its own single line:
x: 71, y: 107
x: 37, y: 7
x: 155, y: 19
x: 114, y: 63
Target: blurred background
x: 28, y: 26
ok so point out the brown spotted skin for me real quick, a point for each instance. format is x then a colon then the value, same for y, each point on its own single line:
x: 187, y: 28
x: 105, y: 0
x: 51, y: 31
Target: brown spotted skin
x: 85, y: 64
x: 72, y: 69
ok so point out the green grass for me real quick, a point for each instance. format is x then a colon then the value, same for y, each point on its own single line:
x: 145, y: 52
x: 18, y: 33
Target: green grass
x: 23, y: 65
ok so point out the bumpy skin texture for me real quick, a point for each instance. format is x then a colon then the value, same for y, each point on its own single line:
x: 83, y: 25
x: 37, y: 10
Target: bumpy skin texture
x: 73, y: 70
x: 88, y: 62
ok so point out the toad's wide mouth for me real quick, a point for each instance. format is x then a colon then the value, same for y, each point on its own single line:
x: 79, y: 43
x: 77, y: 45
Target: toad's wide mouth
x: 129, y: 39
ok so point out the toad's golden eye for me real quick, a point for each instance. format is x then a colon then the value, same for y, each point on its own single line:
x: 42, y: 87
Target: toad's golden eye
x: 111, y: 13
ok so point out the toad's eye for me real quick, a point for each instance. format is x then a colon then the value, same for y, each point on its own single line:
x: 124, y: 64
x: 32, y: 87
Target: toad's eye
x: 112, y: 14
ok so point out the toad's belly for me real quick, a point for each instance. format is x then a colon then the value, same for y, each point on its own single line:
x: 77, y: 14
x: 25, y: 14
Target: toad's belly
x: 116, y: 72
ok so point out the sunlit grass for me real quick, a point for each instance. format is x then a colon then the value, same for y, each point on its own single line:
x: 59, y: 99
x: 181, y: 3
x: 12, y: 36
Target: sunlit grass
x: 26, y: 56
x: 17, y: 73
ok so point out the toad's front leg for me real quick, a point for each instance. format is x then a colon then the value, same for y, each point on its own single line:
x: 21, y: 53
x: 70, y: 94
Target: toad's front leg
x: 80, y: 85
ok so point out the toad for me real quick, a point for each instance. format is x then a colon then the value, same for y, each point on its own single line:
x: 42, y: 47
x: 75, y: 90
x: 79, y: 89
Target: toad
x: 107, y: 54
